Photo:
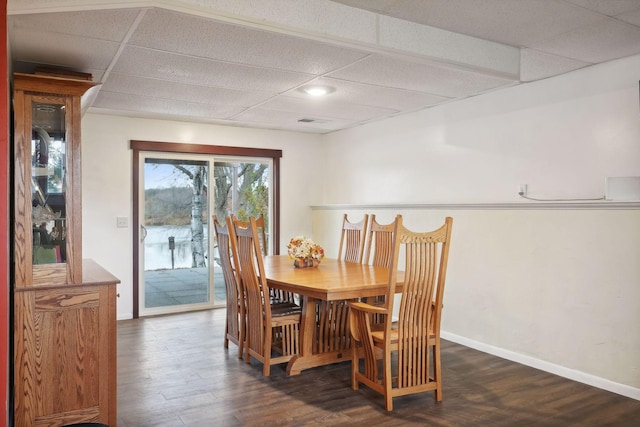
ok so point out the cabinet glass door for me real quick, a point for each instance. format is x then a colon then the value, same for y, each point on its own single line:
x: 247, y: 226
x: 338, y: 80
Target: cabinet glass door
x: 48, y: 183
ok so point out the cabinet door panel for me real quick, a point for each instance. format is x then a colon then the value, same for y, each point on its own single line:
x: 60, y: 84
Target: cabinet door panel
x: 64, y: 360
x: 47, y: 225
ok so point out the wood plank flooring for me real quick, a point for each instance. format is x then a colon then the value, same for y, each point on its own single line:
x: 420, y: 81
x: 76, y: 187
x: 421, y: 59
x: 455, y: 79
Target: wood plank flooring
x: 174, y: 371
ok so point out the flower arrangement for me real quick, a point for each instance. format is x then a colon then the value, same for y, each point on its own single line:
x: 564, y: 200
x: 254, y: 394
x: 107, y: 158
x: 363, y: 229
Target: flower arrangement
x: 305, y: 252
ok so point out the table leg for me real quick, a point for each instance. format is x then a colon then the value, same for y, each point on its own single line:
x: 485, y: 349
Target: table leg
x: 307, y: 328
x: 329, y: 328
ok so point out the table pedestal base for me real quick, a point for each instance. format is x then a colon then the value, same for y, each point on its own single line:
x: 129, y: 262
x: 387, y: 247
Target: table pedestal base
x: 298, y: 363
x: 324, y: 335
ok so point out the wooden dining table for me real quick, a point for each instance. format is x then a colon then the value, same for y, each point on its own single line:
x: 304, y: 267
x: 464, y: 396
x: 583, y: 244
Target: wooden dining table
x: 325, y: 291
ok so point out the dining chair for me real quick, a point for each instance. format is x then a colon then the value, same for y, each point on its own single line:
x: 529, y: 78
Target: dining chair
x: 269, y: 327
x: 352, y: 239
x: 277, y: 295
x: 415, y: 338
x: 235, y: 323
x: 380, y: 240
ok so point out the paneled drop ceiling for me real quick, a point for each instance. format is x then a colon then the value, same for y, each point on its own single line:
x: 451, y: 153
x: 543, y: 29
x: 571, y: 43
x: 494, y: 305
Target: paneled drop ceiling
x: 244, y: 63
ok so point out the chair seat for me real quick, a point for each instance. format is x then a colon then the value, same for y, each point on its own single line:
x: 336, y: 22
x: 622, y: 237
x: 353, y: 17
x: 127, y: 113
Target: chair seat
x: 284, y: 309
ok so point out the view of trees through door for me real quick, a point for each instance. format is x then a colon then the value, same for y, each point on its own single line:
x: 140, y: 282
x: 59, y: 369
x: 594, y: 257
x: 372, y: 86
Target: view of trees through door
x: 242, y: 188
x: 176, y: 232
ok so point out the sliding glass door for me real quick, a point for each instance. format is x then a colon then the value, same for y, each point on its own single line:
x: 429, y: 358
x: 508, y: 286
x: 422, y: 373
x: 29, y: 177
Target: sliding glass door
x: 175, y: 245
x: 179, y: 268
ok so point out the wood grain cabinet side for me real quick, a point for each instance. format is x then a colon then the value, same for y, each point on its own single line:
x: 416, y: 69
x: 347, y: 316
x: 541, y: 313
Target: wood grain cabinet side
x: 65, y: 355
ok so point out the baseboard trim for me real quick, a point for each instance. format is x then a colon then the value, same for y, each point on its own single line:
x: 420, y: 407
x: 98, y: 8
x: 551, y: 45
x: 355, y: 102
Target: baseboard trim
x: 125, y: 316
x: 572, y: 374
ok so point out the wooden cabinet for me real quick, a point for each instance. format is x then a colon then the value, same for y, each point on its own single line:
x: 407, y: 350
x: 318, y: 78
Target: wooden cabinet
x: 64, y: 306
x: 48, y: 191
x: 65, y: 351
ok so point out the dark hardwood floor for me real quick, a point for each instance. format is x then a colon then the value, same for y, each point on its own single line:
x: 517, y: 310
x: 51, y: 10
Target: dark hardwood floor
x: 174, y: 371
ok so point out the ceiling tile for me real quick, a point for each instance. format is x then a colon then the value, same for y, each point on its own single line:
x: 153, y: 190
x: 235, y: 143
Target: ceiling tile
x: 435, y: 80
x: 326, y: 107
x: 285, y: 120
x: 607, y: 40
x: 125, y: 83
x: 608, y: 7
x: 631, y: 17
x: 206, y: 38
x: 187, y: 69
x: 131, y: 104
x: 539, y: 65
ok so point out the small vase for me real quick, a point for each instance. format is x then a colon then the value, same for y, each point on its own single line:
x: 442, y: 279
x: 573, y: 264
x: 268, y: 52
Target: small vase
x: 305, y: 262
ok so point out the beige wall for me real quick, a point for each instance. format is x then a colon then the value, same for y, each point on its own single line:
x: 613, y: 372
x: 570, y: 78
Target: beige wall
x: 555, y: 288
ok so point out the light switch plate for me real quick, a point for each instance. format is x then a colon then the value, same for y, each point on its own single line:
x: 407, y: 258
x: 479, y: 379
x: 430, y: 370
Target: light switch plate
x: 122, y: 222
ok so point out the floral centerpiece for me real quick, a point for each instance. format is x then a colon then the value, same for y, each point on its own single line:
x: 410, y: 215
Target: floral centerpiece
x: 305, y: 252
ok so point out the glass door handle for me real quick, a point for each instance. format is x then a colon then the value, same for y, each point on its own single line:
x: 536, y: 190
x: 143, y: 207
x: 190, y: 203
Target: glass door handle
x: 143, y: 232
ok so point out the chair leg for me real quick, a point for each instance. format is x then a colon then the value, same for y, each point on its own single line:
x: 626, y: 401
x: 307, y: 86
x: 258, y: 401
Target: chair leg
x: 241, y: 337
x: 437, y: 370
x: 226, y: 334
x: 355, y: 362
x: 388, y: 382
x: 266, y: 351
x: 388, y: 401
x: 247, y: 353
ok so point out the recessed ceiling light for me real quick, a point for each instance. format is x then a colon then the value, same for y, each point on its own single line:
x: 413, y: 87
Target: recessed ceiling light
x: 315, y: 90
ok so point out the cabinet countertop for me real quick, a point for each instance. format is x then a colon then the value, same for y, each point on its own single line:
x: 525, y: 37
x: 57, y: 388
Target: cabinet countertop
x: 93, y: 274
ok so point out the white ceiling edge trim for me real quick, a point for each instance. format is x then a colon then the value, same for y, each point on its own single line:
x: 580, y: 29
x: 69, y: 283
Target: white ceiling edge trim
x: 491, y: 57
x: 316, y: 20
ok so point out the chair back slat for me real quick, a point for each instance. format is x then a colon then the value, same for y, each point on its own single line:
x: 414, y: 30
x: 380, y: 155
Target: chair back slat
x: 262, y: 234
x: 352, y: 239
x: 380, y: 240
